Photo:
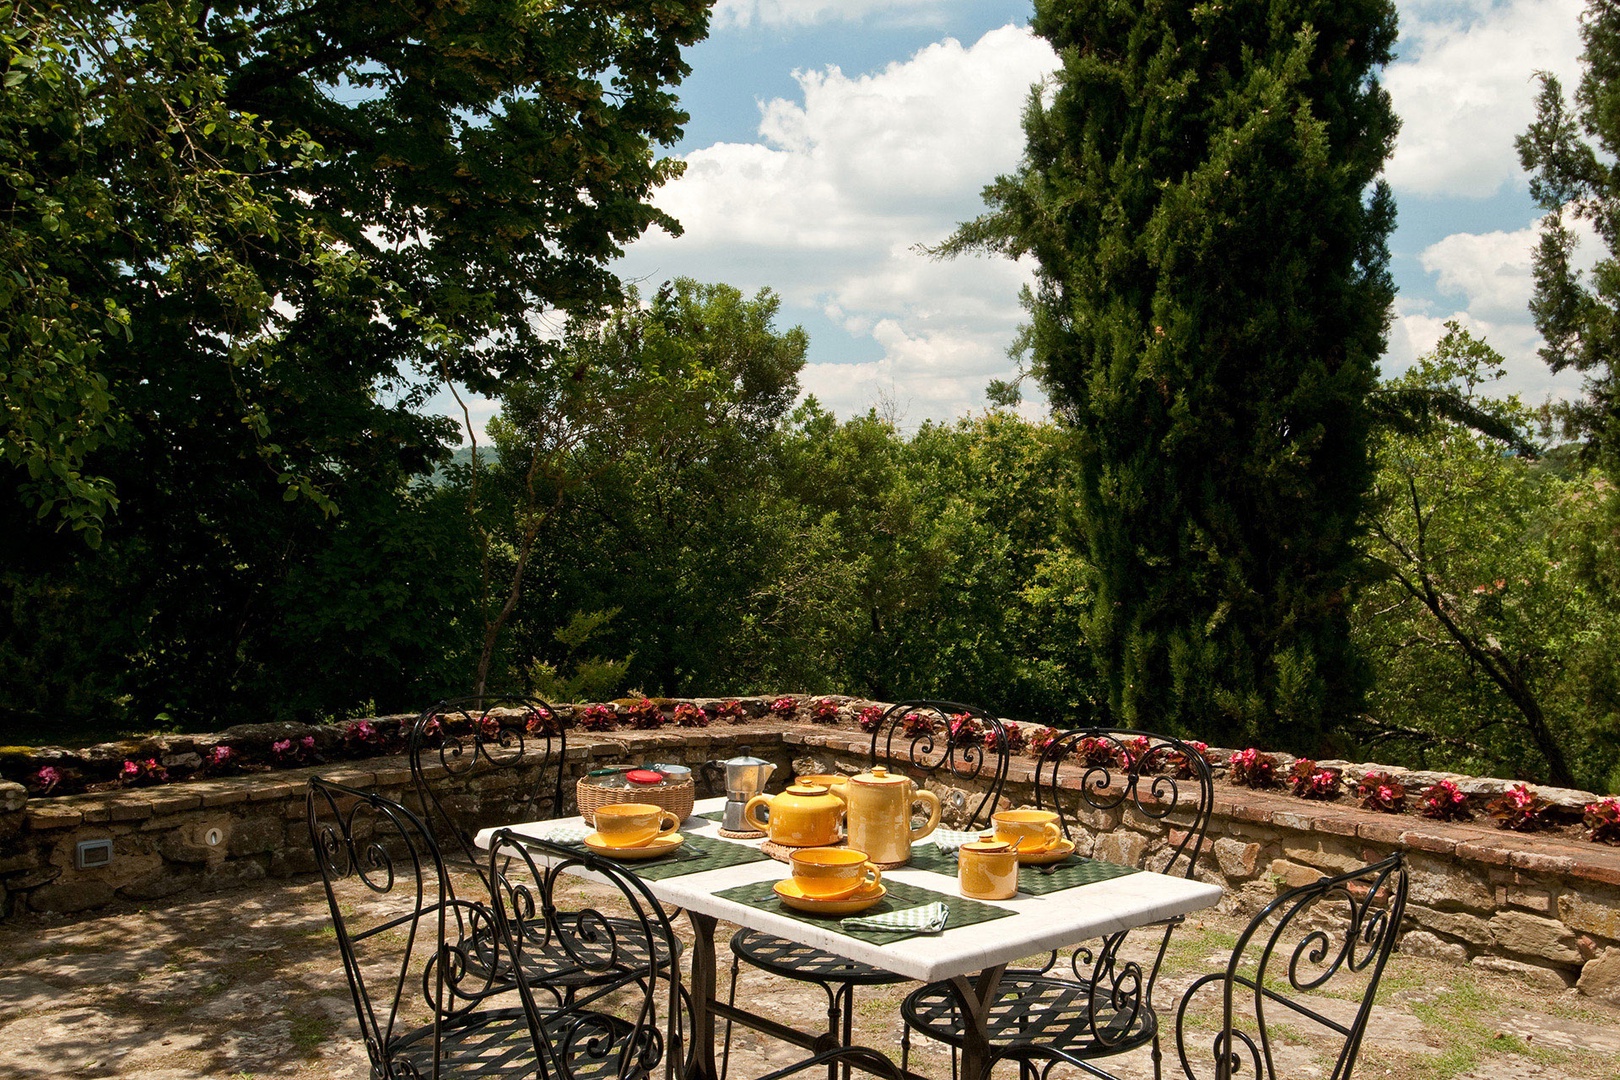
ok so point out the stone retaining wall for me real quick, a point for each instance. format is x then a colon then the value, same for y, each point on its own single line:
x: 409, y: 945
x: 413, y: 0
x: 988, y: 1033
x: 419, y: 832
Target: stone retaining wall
x: 1534, y: 905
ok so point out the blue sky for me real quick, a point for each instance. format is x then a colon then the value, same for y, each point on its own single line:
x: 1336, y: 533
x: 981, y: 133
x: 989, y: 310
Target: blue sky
x: 829, y: 138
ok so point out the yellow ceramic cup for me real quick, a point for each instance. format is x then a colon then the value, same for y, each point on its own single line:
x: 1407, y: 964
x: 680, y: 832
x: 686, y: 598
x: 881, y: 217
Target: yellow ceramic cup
x: 987, y: 870
x: 1029, y: 831
x: 633, y: 824
x: 833, y: 873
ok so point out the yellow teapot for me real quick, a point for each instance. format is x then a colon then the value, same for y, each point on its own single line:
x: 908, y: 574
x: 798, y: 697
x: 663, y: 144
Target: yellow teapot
x: 805, y: 815
x: 879, y: 809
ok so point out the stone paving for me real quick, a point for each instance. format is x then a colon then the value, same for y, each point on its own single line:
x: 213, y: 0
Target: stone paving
x: 248, y: 984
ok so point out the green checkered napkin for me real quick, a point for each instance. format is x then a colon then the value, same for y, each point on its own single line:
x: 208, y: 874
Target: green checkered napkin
x: 925, y: 919
x: 562, y: 834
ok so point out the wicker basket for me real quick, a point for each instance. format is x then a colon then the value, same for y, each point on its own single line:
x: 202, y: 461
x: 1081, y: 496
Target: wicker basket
x: 675, y: 796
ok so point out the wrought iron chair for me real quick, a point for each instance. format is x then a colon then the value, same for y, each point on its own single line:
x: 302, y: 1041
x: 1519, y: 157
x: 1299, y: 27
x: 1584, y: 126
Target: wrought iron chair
x: 931, y: 741
x: 634, y: 1024
x: 1329, y: 940
x: 492, y: 741
x: 1101, y: 1005
x: 419, y: 961
x: 469, y: 764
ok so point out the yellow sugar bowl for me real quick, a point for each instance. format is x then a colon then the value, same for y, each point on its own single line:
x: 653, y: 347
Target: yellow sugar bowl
x: 805, y: 815
x: 987, y: 869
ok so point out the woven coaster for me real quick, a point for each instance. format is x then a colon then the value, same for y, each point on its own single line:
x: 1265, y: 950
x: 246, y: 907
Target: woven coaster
x: 783, y: 853
x: 1068, y: 873
x: 735, y: 834
x: 901, y: 895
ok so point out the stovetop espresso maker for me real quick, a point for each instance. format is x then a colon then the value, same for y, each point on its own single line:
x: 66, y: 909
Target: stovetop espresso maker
x: 745, y: 777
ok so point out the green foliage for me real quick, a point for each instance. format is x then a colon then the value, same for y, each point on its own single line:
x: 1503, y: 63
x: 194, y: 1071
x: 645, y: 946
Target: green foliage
x: 588, y: 677
x: 1492, y: 642
x: 1199, y: 191
x: 243, y: 243
x: 1567, y: 151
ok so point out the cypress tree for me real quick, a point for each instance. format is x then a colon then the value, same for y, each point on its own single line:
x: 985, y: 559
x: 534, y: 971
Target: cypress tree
x: 1569, y: 152
x: 1200, y: 193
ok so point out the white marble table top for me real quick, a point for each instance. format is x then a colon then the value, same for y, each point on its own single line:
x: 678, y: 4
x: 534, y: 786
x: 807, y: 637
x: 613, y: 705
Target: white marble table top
x: 1039, y: 923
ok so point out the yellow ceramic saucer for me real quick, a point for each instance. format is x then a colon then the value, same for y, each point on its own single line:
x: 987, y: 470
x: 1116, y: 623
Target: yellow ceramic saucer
x: 659, y: 845
x: 1061, y: 850
x: 794, y: 897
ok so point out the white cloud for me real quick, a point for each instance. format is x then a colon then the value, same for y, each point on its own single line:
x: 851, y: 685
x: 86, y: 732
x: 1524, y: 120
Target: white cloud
x: 1491, y: 270
x: 742, y: 13
x: 1491, y: 275
x: 1465, y: 88
x: 828, y: 207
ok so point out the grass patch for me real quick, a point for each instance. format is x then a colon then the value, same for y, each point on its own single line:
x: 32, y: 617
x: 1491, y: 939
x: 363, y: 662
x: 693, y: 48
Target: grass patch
x: 309, y: 1032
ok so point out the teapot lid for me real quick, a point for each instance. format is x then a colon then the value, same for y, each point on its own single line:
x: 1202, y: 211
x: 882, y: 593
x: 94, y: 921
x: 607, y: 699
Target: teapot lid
x: 808, y: 789
x: 879, y: 775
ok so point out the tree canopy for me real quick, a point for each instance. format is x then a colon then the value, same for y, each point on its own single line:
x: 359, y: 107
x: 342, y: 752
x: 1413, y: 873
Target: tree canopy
x: 1569, y: 151
x: 1200, y: 192
x: 243, y: 243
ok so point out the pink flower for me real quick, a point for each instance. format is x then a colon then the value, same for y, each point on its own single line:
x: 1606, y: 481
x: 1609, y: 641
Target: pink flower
x: 46, y: 779
x: 870, y: 717
x: 220, y: 755
x: 784, y: 705
x: 130, y: 770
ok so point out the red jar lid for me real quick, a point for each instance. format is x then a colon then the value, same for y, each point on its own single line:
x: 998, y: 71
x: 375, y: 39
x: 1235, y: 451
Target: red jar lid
x: 644, y: 776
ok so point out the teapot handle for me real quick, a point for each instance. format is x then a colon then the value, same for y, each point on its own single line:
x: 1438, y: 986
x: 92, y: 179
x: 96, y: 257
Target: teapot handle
x: 930, y: 800
x: 753, y: 804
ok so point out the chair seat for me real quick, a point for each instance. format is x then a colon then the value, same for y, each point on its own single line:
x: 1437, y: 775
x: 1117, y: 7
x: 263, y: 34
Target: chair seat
x: 490, y: 1043
x: 794, y: 960
x: 497, y: 1043
x: 1037, y: 1016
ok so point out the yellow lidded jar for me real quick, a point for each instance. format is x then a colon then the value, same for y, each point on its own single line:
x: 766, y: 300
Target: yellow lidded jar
x: 987, y: 870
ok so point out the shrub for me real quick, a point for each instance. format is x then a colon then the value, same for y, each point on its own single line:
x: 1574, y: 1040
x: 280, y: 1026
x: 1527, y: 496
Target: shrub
x: 1252, y: 769
x: 288, y: 752
x: 598, y: 718
x: 965, y: 728
x: 1011, y: 734
x: 1139, y: 751
x: 142, y: 773
x: 45, y: 780
x: 1603, y: 818
x: 1381, y: 792
x: 362, y: 738
x: 824, y: 711
x: 541, y: 721
x: 916, y: 724
x: 1178, y: 763
x: 785, y: 706
x: 645, y: 715
x: 731, y: 711
x: 1311, y: 781
x: 1097, y: 751
x: 870, y: 717
x: 1042, y: 740
x: 1444, y: 801
x: 220, y: 760
x: 689, y: 715
x: 1520, y: 809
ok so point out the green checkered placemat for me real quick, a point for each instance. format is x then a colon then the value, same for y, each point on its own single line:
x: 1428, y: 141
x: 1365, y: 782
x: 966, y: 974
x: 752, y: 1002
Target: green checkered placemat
x: 963, y: 912
x: 697, y: 854
x: 1066, y: 874
x: 714, y: 815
